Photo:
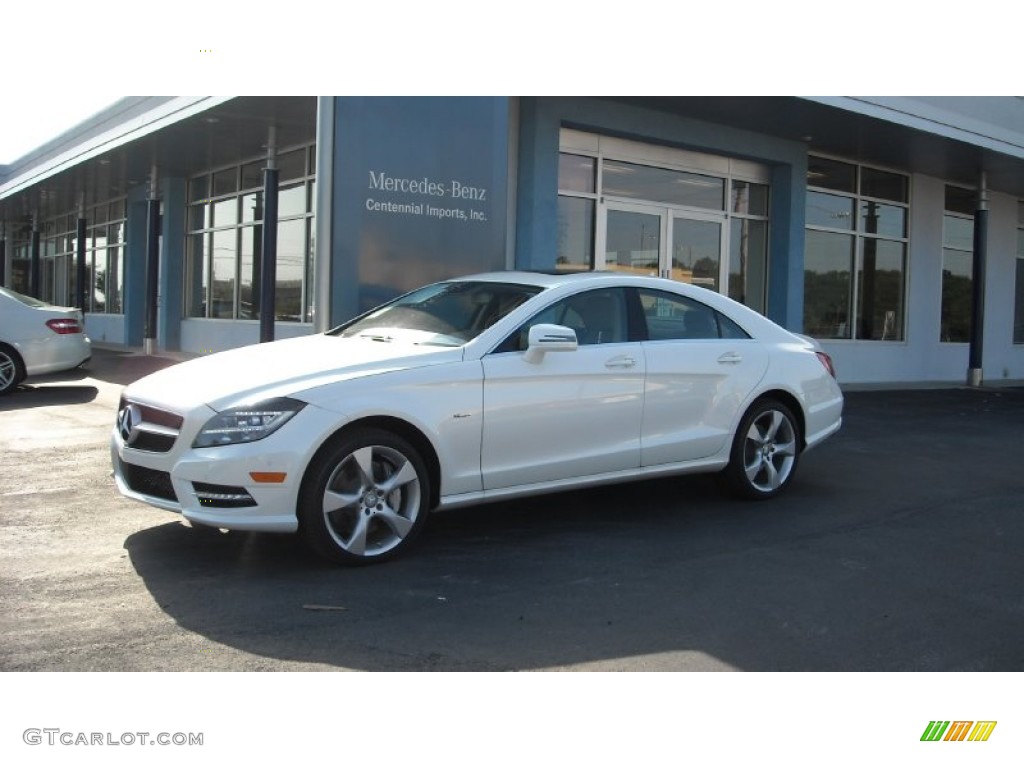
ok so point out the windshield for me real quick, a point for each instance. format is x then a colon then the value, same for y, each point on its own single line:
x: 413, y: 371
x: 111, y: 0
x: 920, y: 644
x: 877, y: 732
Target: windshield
x: 23, y: 299
x: 443, y: 314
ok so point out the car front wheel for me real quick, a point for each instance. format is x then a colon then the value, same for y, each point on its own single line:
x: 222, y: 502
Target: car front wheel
x: 765, y: 451
x: 365, y: 499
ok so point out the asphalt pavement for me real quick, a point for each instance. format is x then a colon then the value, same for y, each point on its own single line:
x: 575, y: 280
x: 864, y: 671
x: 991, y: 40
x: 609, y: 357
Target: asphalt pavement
x: 898, y: 547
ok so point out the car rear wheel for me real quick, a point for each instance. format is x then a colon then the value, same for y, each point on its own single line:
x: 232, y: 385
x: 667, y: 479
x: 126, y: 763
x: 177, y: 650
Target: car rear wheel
x: 11, y: 370
x: 365, y: 499
x: 765, y: 451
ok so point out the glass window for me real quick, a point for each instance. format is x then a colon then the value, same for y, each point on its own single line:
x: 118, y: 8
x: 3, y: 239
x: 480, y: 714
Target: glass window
x: 633, y: 242
x: 960, y: 200
x: 575, y: 234
x: 881, y: 219
x: 115, y: 270
x: 671, y: 317
x: 956, y: 295
x: 291, y: 165
x: 252, y: 207
x: 831, y: 174
x: 957, y: 265
x: 291, y: 201
x: 855, y: 286
x: 98, y: 269
x: 223, y: 270
x: 663, y: 185
x: 958, y: 233
x: 1018, y: 296
x: 828, y: 284
x: 443, y: 314
x: 881, y: 286
x: 225, y: 182
x: 198, y: 217
x: 225, y: 212
x: 197, y: 276
x: 697, y: 251
x: 252, y: 174
x: 748, y: 262
x: 576, y: 173
x: 883, y: 185
x: 833, y: 211
x: 224, y: 260
x: 291, y: 260
x: 749, y: 198
x: 250, y: 263
x: 598, y: 317
x: 199, y: 189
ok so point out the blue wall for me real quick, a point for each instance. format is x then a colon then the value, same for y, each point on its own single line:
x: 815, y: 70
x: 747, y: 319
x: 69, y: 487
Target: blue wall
x: 420, y: 194
x: 541, y: 118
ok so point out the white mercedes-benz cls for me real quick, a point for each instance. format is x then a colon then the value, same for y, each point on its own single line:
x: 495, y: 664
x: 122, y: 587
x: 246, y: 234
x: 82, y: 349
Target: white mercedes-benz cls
x: 471, y: 390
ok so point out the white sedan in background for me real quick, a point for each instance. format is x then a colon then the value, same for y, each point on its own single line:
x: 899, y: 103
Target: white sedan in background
x: 38, y: 338
x: 487, y: 387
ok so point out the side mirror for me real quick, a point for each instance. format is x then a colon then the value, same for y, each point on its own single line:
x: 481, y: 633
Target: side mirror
x: 545, y: 338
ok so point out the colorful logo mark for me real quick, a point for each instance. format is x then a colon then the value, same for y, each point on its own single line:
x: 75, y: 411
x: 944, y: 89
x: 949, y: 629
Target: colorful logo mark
x: 959, y: 730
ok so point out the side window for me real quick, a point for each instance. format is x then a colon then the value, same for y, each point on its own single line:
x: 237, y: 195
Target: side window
x: 669, y: 316
x: 598, y: 317
x: 728, y: 329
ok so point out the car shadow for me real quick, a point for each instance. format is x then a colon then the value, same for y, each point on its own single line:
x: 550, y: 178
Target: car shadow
x: 123, y: 368
x: 32, y: 396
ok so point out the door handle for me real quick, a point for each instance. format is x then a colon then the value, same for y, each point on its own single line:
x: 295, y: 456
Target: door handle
x: 731, y: 357
x: 622, y: 361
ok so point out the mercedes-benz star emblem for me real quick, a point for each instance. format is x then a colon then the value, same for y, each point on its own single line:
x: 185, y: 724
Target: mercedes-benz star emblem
x: 128, y: 423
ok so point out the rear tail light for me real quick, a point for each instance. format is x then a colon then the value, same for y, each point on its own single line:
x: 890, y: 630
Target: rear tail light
x: 827, y: 362
x: 64, y: 325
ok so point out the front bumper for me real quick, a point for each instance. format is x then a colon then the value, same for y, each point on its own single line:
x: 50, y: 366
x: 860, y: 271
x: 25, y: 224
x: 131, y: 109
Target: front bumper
x: 181, y: 480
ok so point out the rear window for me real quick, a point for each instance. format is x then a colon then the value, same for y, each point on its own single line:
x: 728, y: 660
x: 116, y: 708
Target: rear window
x: 26, y: 300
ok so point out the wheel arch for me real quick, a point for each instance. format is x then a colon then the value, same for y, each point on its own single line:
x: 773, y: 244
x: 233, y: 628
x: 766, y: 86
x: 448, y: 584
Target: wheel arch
x: 396, y: 426
x: 790, y: 401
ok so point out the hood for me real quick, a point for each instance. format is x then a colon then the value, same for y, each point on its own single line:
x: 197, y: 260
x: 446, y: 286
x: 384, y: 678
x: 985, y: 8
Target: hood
x: 279, y: 369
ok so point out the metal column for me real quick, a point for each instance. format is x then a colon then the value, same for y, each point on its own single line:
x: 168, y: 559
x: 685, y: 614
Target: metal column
x: 152, y: 263
x: 80, y: 271
x: 35, y: 268
x: 268, y: 269
x: 3, y: 254
x: 975, y: 368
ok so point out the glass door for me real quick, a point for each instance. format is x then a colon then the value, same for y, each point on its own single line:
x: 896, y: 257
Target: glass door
x: 660, y: 241
x: 631, y: 238
x: 696, y: 251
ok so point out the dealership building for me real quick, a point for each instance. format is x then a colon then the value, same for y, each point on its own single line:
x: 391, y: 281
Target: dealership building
x: 889, y: 228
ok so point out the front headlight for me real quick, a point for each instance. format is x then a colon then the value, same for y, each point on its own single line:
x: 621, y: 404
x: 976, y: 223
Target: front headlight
x: 247, y: 423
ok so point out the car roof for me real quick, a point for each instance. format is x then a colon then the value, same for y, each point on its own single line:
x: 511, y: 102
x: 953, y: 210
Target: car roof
x: 541, y: 279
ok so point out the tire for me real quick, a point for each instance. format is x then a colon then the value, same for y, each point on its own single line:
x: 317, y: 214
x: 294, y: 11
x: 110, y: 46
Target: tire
x: 12, y: 371
x: 765, y: 451
x: 365, y: 499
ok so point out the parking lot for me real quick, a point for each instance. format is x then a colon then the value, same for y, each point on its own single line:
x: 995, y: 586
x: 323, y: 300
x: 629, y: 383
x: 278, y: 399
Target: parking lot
x: 898, y: 547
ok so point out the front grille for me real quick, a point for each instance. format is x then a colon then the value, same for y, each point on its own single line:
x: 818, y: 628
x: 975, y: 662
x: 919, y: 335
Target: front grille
x: 156, y: 430
x: 151, y: 482
x: 153, y: 442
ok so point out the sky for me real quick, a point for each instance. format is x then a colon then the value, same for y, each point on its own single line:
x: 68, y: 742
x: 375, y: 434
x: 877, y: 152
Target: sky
x: 50, y: 118
x: 61, y: 75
